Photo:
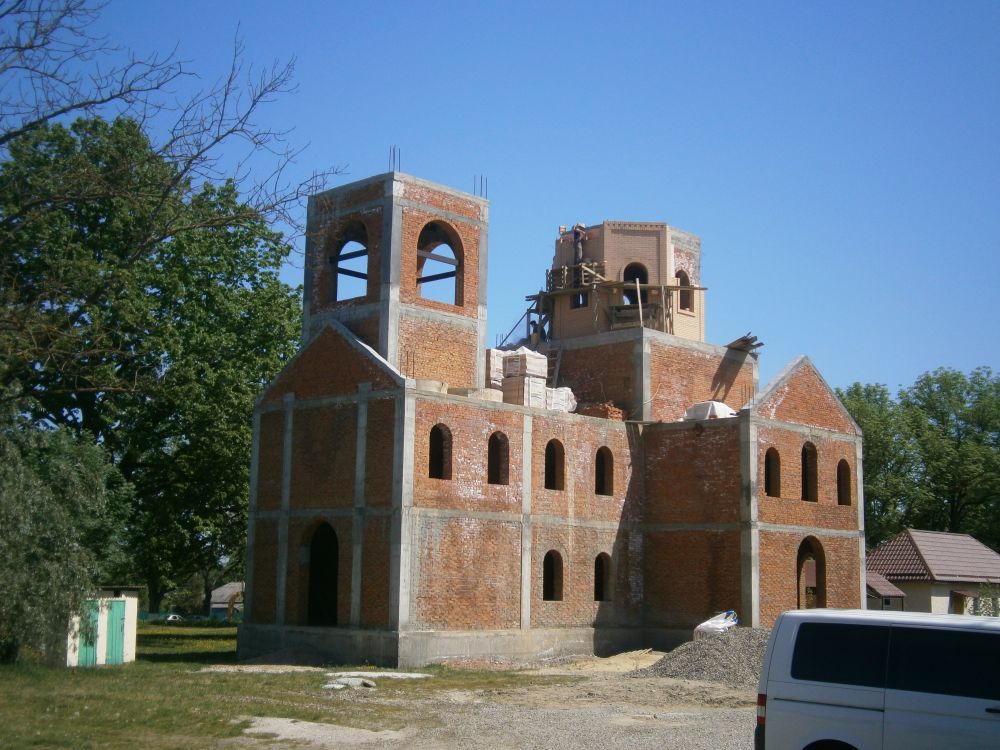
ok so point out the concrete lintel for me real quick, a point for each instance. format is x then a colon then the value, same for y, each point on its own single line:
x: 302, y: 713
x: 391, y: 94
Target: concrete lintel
x: 426, y: 314
x: 346, y: 511
x: 667, y: 527
x: 807, y: 430
x: 814, y: 530
x: 323, y: 402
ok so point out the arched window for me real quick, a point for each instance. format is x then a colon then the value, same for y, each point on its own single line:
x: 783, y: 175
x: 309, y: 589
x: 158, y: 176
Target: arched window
x: 809, y: 486
x: 497, y: 459
x: 843, y: 482
x: 772, y: 473
x: 554, y: 460
x: 686, y: 295
x: 323, y: 568
x: 634, y: 272
x: 552, y: 577
x: 811, y: 573
x: 439, y: 264
x: 602, y: 578
x: 604, y: 472
x: 350, y: 263
x: 439, y: 463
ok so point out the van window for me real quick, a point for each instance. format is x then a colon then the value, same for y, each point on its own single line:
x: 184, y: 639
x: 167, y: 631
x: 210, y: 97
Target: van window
x: 841, y: 653
x: 946, y: 662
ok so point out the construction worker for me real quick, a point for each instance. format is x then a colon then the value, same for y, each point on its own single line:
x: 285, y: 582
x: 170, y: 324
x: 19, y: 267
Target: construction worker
x: 579, y: 235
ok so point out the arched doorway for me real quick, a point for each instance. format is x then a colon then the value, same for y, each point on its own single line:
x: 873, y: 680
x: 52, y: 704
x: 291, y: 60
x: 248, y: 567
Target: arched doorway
x: 323, y: 569
x: 811, y: 574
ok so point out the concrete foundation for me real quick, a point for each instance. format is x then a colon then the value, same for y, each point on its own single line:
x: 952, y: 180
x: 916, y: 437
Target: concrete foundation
x: 418, y: 648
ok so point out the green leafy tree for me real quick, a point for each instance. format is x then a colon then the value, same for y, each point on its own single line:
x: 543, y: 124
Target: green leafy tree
x: 188, y: 327
x: 889, y: 459
x: 63, y: 496
x: 931, y: 456
x: 954, y: 420
x: 139, y: 300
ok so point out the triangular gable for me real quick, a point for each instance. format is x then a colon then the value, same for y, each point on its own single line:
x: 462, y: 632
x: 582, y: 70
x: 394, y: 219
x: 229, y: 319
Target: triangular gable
x: 800, y: 395
x: 333, y: 363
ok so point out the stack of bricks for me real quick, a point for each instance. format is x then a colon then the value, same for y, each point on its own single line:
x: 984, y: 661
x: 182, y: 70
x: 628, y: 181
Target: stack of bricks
x: 525, y: 373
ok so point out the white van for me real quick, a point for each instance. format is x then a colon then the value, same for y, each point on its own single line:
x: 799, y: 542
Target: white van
x: 872, y: 679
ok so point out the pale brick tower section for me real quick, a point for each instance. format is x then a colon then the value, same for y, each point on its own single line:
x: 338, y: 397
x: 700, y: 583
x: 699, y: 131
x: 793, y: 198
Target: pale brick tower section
x: 401, y: 262
x: 628, y: 269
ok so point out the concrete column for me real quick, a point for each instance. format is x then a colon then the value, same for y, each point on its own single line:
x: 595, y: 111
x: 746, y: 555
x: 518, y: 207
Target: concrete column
x: 642, y: 390
x: 358, y: 522
x: 286, y: 494
x: 859, y: 493
x: 479, y: 375
x: 392, y: 250
x: 252, y: 515
x: 749, y: 530
x: 402, y: 504
x: 526, y: 531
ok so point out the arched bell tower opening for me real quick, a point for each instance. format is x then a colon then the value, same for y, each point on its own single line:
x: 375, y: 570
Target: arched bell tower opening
x: 349, y: 264
x: 439, y: 264
x: 635, y: 273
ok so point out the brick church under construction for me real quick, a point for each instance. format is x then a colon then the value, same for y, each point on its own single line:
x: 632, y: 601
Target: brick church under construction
x: 418, y: 496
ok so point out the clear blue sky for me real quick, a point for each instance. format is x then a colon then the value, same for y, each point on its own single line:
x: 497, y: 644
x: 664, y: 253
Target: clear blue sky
x: 840, y: 161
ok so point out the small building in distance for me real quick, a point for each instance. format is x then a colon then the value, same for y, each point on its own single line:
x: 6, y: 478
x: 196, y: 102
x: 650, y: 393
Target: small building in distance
x: 227, y: 602
x: 938, y: 571
x: 416, y: 496
x: 106, y: 632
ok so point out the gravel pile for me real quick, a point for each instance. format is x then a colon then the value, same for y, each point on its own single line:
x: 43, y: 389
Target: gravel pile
x: 732, y: 658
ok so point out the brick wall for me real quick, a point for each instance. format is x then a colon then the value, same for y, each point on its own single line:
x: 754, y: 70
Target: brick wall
x: 436, y: 350
x: 270, y: 459
x: 681, y: 376
x: 601, y: 373
x: 375, y: 564
x: 779, y: 575
x: 693, y: 473
x: 323, y: 456
x: 380, y: 456
x: 471, y: 425
x: 631, y: 242
x: 469, y: 574
x: 265, y: 570
x: 691, y: 575
x: 789, y: 507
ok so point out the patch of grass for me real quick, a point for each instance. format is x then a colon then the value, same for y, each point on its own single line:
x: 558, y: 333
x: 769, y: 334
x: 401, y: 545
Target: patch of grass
x: 165, y: 700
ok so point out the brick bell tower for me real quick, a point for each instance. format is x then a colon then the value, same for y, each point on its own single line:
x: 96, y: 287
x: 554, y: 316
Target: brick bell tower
x: 401, y: 262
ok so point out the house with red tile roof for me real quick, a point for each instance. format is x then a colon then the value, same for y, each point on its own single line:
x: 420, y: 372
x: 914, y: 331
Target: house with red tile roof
x: 936, y: 571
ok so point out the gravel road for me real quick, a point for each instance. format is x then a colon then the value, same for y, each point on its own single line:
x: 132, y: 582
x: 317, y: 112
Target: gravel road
x: 627, y: 701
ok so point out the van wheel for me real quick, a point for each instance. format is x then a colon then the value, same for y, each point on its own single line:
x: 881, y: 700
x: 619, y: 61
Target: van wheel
x: 830, y: 745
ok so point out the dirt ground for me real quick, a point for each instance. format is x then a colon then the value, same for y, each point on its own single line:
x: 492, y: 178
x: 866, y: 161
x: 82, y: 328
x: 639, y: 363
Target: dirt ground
x: 600, y: 708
